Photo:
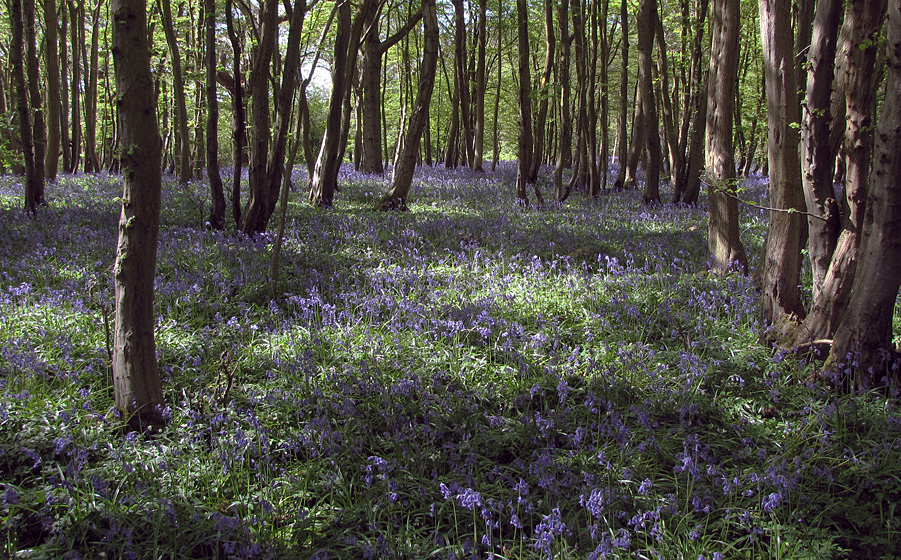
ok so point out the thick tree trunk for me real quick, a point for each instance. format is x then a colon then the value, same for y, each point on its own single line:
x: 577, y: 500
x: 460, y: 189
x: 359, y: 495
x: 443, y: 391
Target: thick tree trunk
x: 862, y: 343
x: 178, y: 89
x: 217, y: 212
x: 138, y: 389
x: 51, y: 36
x: 864, y: 19
x: 402, y: 178
x: 524, y: 152
x: 724, y: 245
x: 647, y: 18
x: 780, y: 272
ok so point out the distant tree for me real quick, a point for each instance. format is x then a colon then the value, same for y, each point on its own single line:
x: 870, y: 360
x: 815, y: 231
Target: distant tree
x: 36, y: 101
x: 724, y: 245
x: 138, y: 389
x: 479, y: 87
x: 565, y: 128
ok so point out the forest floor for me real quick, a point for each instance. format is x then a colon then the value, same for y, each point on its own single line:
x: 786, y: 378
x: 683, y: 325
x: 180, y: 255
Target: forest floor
x: 469, y: 379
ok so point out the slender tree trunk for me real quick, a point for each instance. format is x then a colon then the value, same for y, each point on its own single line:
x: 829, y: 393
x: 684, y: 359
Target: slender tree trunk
x: 566, y: 127
x: 238, y: 116
x: 478, y: 148
x: 65, y: 140
x: 780, y: 268
x: 724, y: 245
x: 91, y: 74
x: 17, y: 58
x: 696, y: 150
x: 544, y: 92
x: 647, y: 17
x: 138, y: 389
x: 462, y: 79
x: 669, y: 117
x: 178, y: 89
x: 752, y: 144
x: 36, y: 105
x: 76, y: 11
x: 217, y: 212
x: 51, y: 36
x: 622, y: 156
x: 497, y: 96
x: 402, y: 178
x: 524, y: 152
x: 863, y: 340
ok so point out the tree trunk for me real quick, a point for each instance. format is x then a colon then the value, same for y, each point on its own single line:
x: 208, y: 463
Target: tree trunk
x: 51, y: 36
x: 217, y: 212
x: 623, y: 141
x: 524, y: 152
x: 65, y: 138
x: 862, y: 344
x: 462, y: 79
x: 864, y: 19
x: 724, y: 245
x: 478, y: 148
x: 238, y: 115
x: 565, y: 136
x: 254, y: 217
x: 544, y: 92
x: 138, y: 389
x: 688, y: 183
x: 17, y: 59
x: 780, y: 263
x: 39, y: 131
x: 816, y: 150
x: 328, y: 163
x: 402, y: 178
x: 178, y: 89
x: 76, y: 13
x: 91, y: 73
x: 647, y: 18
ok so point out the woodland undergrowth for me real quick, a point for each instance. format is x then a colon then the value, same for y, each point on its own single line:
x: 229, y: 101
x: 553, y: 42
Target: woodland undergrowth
x: 469, y: 379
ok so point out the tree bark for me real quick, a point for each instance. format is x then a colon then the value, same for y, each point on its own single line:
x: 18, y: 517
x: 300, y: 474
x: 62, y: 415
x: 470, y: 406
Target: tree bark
x: 566, y: 128
x: 544, y: 92
x: 862, y: 344
x: 780, y: 265
x: 65, y: 138
x: 724, y: 245
x: 623, y: 141
x: 91, y: 74
x: 863, y: 19
x: 688, y: 183
x: 402, y: 178
x: 462, y: 79
x: 138, y: 389
x: 76, y: 12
